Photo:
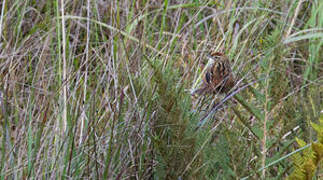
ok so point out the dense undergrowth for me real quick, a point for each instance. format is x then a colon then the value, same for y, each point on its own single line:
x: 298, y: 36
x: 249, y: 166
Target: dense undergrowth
x: 102, y: 90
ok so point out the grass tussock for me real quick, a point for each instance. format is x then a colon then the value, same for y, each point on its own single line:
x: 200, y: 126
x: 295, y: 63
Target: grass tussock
x: 102, y: 90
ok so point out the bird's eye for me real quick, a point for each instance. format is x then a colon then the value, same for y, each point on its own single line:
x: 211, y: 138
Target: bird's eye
x: 211, y: 71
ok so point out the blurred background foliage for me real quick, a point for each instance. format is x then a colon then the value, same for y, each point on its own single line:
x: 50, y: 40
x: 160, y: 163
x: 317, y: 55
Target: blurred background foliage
x: 102, y: 89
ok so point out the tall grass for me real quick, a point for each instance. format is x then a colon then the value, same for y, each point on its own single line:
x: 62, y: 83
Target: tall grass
x: 102, y: 89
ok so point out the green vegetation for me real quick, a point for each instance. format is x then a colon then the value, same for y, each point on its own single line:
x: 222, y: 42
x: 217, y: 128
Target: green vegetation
x: 102, y: 90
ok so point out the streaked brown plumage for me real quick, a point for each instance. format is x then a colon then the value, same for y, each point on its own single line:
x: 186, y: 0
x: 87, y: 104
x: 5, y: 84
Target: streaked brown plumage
x: 218, y: 77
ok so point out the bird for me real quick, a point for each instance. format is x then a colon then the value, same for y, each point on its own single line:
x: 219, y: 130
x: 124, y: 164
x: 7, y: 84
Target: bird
x: 218, y: 76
